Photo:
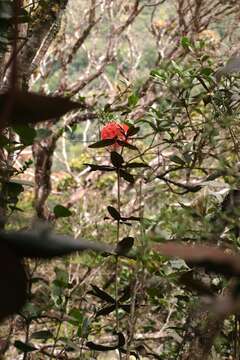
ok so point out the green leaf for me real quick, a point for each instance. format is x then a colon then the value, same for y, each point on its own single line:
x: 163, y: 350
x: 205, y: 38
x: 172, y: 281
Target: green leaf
x: 42, y: 133
x: 61, y: 211
x: 102, y: 143
x: 14, y: 189
x: 4, y: 141
x: 176, y: 159
x: 186, y: 43
x: 26, y: 133
x: 76, y: 315
x: 133, y: 100
x: 6, y: 10
x: 206, y: 71
x: 42, y: 335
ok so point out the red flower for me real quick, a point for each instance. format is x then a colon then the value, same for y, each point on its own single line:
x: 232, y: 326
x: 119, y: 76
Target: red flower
x: 116, y: 131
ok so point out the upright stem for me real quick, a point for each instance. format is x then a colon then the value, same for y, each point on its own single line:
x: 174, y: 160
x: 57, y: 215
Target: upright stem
x: 139, y: 278
x: 116, y: 265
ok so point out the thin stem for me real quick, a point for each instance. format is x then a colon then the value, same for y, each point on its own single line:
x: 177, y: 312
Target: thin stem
x: 116, y: 265
x: 27, y: 333
x: 63, y: 311
x: 138, y: 280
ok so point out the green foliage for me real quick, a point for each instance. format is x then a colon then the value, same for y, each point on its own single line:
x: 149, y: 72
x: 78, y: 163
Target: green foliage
x: 174, y: 178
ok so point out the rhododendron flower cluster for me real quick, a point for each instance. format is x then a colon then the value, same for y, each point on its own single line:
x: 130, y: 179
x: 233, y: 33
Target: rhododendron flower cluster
x: 114, y: 130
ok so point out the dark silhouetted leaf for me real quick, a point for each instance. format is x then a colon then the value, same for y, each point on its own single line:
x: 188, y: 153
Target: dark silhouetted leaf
x: 126, y: 176
x: 176, y: 159
x: 13, y: 189
x: 137, y: 165
x: 4, y: 141
x: 106, y: 310
x: 126, y: 144
x: 121, y: 340
x: 126, y: 307
x: 13, y: 282
x: 114, y: 213
x: 116, y: 159
x: 26, y: 133
x: 125, y: 245
x: 61, y: 211
x: 95, y: 167
x: 102, y: 143
x: 211, y: 258
x: 133, y: 130
x: 101, y: 294
x: 41, y: 243
x: 126, y: 294
x: 134, y: 218
x: 28, y: 107
x: 42, y: 335
x: 24, y: 347
x: 97, y: 347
